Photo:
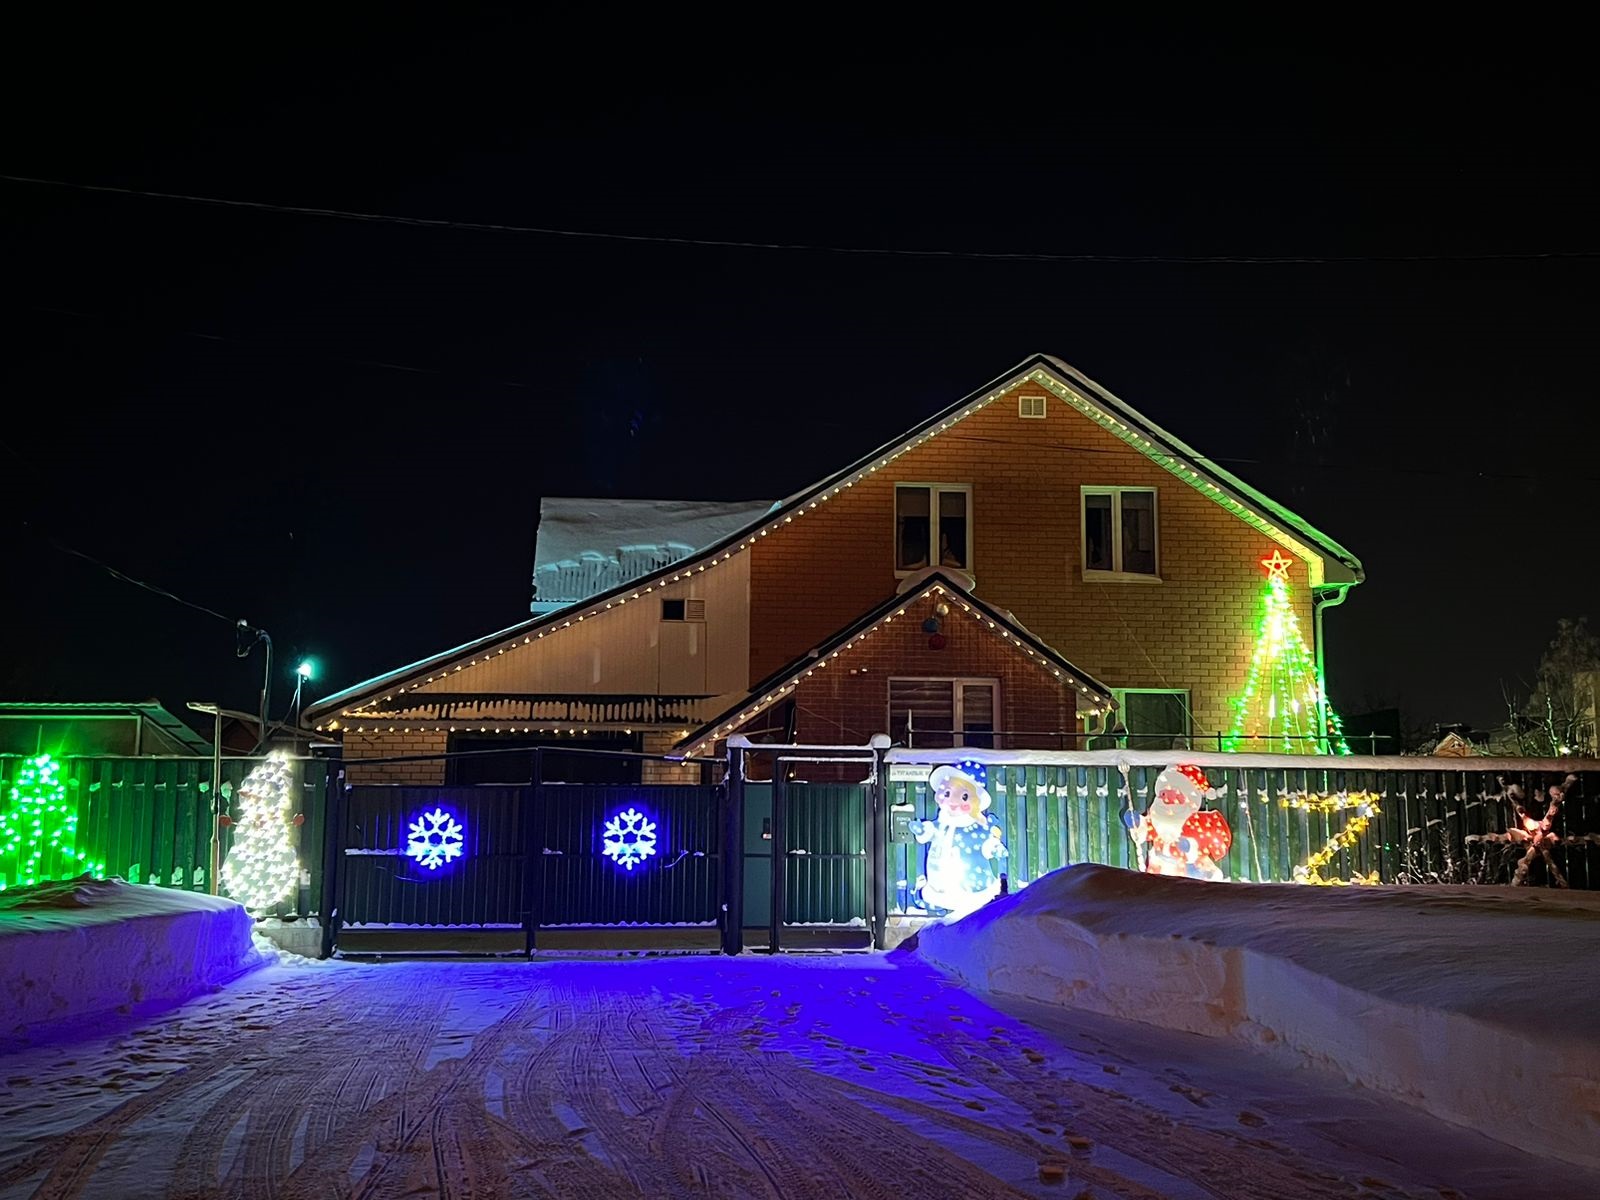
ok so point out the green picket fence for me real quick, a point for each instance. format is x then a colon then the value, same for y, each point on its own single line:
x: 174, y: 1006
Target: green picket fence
x: 1428, y: 826
x: 149, y: 819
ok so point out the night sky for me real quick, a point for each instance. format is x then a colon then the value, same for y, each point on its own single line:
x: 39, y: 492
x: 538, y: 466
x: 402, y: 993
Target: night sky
x: 341, y: 430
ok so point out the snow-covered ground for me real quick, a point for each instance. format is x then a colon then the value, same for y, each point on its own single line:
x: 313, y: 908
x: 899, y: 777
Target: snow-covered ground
x: 1476, y: 1004
x: 79, y: 947
x: 829, y: 1075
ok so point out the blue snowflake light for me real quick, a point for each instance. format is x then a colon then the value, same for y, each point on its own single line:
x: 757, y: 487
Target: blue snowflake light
x: 630, y: 838
x: 435, y: 838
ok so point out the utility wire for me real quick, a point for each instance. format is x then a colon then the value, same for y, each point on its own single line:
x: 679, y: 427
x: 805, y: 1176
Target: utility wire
x: 815, y: 248
x: 116, y: 574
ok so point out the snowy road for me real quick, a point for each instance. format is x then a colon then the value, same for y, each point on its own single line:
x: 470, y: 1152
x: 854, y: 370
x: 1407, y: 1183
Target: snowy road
x: 826, y: 1076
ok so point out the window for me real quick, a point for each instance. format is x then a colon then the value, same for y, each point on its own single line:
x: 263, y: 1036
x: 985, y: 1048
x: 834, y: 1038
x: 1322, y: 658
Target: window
x: 931, y: 525
x: 1031, y: 406
x: 683, y: 610
x: 940, y: 713
x: 1145, y: 719
x: 1119, y: 532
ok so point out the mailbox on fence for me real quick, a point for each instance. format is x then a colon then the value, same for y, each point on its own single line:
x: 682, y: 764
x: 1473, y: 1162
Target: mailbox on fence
x: 900, y: 817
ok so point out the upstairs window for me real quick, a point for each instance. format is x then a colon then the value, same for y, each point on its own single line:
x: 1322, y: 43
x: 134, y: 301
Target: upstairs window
x: 932, y: 526
x: 1119, y: 532
x: 1031, y: 407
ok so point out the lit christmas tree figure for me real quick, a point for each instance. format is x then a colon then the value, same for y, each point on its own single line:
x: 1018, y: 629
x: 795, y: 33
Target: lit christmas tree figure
x: 262, y: 866
x: 1283, y: 708
x: 39, y: 830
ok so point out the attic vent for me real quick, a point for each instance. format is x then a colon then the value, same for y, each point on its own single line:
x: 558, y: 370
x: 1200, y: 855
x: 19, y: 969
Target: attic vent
x: 1030, y: 406
x: 683, y: 610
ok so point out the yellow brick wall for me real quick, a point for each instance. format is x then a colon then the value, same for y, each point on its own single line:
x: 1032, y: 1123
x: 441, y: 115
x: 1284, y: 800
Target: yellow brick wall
x: 393, y: 745
x: 661, y: 742
x: 1194, y: 629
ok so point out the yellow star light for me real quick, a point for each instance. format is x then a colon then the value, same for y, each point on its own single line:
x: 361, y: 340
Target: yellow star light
x: 1277, y: 566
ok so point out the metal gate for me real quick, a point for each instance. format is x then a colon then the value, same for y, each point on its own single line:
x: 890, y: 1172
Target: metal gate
x: 528, y: 858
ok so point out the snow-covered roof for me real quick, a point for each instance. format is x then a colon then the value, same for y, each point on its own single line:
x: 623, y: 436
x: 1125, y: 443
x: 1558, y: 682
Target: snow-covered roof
x: 586, y: 546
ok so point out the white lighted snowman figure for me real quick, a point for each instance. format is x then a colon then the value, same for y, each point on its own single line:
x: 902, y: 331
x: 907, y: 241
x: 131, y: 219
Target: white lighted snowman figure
x: 1183, y: 838
x: 961, y: 844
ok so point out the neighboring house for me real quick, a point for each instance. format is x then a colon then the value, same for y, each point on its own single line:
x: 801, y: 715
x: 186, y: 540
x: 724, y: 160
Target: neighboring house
x: 120, y: 729
x: 1087, y: 561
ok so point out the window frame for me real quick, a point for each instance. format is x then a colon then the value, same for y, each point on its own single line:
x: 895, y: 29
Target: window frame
x: 958, y: 684
x: 1094, y: 726
x: 1116, y: 492
x: 1044, y: 406
x: 934, y: 492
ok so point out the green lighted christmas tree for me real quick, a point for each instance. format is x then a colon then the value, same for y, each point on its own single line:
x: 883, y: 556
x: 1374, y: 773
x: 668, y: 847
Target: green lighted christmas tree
x: 1283, y: 708
x: 39, y: 830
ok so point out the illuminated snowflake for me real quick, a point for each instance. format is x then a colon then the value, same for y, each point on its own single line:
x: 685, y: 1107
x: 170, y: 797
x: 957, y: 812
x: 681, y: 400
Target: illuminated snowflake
x: 435, y: 838
x: 630, y: 837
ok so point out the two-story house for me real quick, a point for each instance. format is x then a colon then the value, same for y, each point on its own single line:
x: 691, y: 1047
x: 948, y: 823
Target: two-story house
x: 1031, y: 566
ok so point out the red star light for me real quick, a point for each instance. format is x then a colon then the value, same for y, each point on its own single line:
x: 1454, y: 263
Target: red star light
x: 1277, y: 566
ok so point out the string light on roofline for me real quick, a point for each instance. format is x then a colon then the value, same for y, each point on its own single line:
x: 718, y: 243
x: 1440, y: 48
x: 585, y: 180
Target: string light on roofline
x: 1063, y: 392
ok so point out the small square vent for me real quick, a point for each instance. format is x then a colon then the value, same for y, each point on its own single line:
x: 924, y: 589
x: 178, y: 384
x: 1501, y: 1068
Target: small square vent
x: 683, y: 610
x: 1031, y: 406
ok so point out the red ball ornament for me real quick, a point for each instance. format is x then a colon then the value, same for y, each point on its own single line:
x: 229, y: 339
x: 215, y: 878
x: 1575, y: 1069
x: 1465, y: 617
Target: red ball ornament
x: 936, y: 641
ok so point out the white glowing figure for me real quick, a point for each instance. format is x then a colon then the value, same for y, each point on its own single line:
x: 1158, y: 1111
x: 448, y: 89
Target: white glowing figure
x: 262, y: 866
x: 630, y: 838
x: 435, y: 838
x: 961, y: 844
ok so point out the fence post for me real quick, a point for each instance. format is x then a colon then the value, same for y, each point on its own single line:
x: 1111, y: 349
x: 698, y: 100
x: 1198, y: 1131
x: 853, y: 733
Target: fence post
x: 533, y: 853
x: 877, y: 844
x: 333, y: 804
x: 733, y: 853
x: 780, y: 855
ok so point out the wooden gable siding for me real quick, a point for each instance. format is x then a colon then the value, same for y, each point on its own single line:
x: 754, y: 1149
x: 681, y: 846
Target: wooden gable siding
x: 1192, y: 630
x: 622, y: 651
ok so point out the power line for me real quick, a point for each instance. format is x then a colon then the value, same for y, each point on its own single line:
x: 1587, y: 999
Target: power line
x: 116, y: 574
x: 814, y: 248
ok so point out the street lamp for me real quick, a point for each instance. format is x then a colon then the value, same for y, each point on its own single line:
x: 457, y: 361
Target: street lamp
x: 303, y: 674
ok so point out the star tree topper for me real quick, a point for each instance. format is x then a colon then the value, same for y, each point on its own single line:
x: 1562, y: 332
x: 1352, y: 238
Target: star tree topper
x: 1277, y: 566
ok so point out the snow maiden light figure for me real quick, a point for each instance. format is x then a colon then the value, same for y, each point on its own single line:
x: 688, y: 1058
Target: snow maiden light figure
x: 961, y: 843
x: 1183, y: 838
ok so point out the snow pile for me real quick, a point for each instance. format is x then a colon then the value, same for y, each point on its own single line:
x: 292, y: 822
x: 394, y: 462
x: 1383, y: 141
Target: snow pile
x: 1474, y: 1003
x: 80, y: 947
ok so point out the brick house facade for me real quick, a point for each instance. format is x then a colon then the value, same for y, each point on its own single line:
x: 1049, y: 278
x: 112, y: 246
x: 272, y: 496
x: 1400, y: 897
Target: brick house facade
x: 1084, y: 529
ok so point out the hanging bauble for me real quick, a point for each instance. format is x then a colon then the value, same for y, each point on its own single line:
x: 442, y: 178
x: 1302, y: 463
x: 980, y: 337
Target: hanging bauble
x: 936, y: 641
x: 942, y: 609
x: 931, y: 625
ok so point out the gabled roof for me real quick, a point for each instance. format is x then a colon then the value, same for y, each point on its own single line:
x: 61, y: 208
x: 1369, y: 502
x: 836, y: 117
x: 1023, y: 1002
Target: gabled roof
x: 1315, y: 548
x: 783, y: 681
x: 151, y: 711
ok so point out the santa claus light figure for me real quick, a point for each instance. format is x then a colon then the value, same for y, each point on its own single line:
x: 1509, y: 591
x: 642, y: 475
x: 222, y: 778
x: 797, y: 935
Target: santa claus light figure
x: 1181, y: 837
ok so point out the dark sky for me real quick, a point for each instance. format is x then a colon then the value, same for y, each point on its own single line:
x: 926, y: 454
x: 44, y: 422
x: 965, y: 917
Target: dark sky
x: 341, y: 430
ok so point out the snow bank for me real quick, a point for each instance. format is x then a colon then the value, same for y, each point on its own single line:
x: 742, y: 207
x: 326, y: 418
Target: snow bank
x: 1475, y: 1004
x: 80, y: 947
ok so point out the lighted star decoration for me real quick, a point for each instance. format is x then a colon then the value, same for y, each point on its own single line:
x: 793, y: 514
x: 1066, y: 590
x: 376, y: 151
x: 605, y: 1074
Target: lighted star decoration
x: 1277, y: 566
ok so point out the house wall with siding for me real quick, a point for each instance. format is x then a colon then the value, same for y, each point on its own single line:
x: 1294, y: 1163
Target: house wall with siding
x: 1194, y: 629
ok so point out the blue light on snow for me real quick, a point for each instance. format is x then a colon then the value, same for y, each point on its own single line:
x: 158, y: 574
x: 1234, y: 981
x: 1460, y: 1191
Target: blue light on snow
x: 630, y: 838
x: 435, y: 838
